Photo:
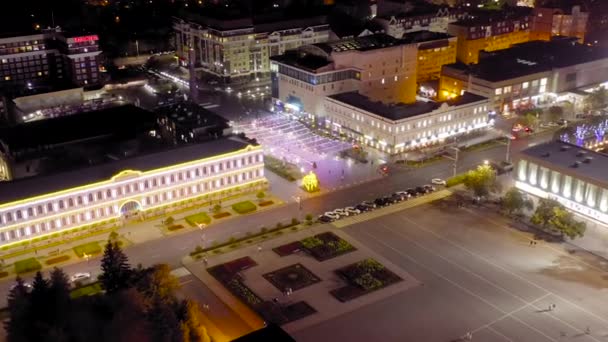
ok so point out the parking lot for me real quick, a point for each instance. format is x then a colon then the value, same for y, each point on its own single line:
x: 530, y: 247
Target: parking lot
x: 478, y: 276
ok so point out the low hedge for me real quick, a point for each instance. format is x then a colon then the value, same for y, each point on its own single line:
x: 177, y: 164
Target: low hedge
x: 175, y: 227
x: 266, y: 203
x: 57, y: 259
x: 458, y: 179
x: 244, y: 207
x: 196, y: 219
x: 27, y: 265
x: 89, y: 249
x: 221, y: 215
x: 3, y: 274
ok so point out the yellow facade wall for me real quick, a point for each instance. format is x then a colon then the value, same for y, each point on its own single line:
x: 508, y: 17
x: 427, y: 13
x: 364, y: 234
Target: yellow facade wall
x: 468, y: 50
x: 430, y: 61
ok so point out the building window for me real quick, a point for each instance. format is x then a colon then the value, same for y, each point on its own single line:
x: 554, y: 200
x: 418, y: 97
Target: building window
x: 498, y: 91
x: 567, y: 188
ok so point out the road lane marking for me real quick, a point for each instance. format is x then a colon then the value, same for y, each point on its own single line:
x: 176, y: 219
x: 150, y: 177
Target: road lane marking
x: 471, y: 293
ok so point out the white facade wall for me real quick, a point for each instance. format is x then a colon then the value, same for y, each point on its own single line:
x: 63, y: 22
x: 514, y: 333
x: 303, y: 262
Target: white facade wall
x: 409, y: 133
x: 104, y: 201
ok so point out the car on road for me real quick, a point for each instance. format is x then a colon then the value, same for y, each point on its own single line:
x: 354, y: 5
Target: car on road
x: 371, y: 205
x: 403, y: 193
x: 438, y: 181
x: 27, y: 285
x: 332, y: 215
x: 421, y: 190
x: 340, y: 212
x: 429, y: 188
x: 80, y: 276
x: 381, y: 201
x: 363, y: 208
x: 412, y: 192
x: 396, y: 198
x: 325, y: 219
x: 352, y: 210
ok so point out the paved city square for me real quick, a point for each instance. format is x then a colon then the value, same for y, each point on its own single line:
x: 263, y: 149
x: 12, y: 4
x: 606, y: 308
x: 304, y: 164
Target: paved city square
x: 478, y: 275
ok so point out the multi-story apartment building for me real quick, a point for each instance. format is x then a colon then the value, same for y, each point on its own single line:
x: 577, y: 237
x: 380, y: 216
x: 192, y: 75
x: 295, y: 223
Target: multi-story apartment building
x: 398, y: 128
x: 239, y: 49
x: 572, y: 175
x: 435, y: 19
x: 48, y: 59
x: 549, y: 22
x: 528, y: 74
x: 434, y: 51
x: 127, y: 189
x: 490, y: 33
x: 378, y: 66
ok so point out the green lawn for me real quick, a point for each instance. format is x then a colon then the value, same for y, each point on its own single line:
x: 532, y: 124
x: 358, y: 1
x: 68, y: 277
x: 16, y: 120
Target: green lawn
x: 244, y: 207
x: 200, y: 218
x: 27, y: 265
x: 90, y: 248
x: 87, y: 290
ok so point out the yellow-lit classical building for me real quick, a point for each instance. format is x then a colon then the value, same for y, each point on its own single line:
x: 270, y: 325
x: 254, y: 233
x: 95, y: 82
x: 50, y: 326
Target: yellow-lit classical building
x: 126, y: 189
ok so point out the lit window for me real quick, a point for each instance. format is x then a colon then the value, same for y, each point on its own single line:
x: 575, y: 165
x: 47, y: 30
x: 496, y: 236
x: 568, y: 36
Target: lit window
x: 543, y: 81
x: 498, y: 91
x: 525, y: 85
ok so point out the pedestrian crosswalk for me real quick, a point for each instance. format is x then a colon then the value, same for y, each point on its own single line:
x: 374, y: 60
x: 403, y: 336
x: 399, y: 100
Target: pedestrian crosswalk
x: 392, y: 209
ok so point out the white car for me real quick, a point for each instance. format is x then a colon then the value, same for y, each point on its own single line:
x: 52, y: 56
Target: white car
x: 332, y: 215
x: 438, y: 181
x: 403, y: 193
x: 341, y: 212
x: 27, y: 285
x: 352, y: 210
x: 80, y: 276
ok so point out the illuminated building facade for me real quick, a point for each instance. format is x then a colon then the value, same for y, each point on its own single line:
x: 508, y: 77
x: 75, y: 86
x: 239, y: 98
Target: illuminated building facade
x: 528, y: 74
x: 549, y: 22
x: 398, y: 128
x: 488, y: 34
x: 240, y: 49
x: 573, y: 176
x: 434, y: 51
x: 435, y: 20
x: 49, y: 58
x: 378, y: 66
x: 128, y: 189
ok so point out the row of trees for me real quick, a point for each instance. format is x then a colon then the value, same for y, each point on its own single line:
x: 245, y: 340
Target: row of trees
x: 548, y: 213
x: 138, y: 304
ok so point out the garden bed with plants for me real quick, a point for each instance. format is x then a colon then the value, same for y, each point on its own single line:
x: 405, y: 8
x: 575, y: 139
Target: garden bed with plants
x: 285, y: 170
x: 266, y: 203
x: 57, y: 259
x: 244, y: 207
x: 228, y: 270
x: 326, y: 246
x: 3, y: 274
x: 282, y: 314
x: 196, y: 219
x: 175, y: 227
x: 27, y: 265
x: 292, y: 277
x: 89, y: 249
x: 221, y: 215
x: 288, y: 249
x: 363, y: 277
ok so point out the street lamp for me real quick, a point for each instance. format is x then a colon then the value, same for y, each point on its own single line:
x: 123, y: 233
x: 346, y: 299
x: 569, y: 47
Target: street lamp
x: 486, y: 162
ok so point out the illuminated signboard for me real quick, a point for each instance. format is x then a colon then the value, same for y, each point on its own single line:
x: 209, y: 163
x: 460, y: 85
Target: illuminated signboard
x: 85, y: 39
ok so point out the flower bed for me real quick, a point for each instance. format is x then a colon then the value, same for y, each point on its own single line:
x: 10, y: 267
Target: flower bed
x: 292, y: 277
x: 3, y: 274
x: 57, y: 259
x: 196, y: 219
x: 266, y: 203
x: 326, y: 246
x: 244, y: 207
x: 89, y: 249
x: 282, y: 314
x: 243, y: 292
x: 175, y: 227
x: 221, y: 215
x: 363, y: 277
x: 226, y: 271
x: 288, y: 249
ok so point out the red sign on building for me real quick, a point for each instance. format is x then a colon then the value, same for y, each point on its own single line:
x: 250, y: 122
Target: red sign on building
x: 85, y: 38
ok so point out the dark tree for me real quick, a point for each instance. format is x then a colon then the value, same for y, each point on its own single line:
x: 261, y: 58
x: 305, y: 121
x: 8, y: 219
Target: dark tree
x: 192, y: 326
x: 18, y: 308
x: 59, y: 294
x: 115, y: 269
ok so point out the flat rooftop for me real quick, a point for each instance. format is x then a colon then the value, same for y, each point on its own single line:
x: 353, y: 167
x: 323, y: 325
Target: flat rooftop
x: 302, y: 60
x: 489, y: 17
x: 365, y: 43
x: 570, y: 158
x: 40, y: 185
x: 530, y: 58
x: 400, y: 111
x: 117, y: 121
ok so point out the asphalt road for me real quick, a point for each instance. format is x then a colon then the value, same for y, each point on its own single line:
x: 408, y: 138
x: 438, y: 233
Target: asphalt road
x: 478, y: 275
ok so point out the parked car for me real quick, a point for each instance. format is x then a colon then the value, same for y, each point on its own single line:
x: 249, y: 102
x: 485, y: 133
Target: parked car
x: 412, y: 192
x: 27, y: 285
x: 80, y: 277
x: 370, y: 204
x: 332, y: 215
x: 352, y: 210
x: 438, y: 181
x: 429, y: 188
x: 404, y: 193
x: 363, y: 207
x: 421, y: 190
x: 396, y: 198
x: 381, y: 202
x: 325, y: 219
x: 340, y: 212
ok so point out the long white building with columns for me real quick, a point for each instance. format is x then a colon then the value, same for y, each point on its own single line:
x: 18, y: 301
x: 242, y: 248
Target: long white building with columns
x: 126, y: 189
